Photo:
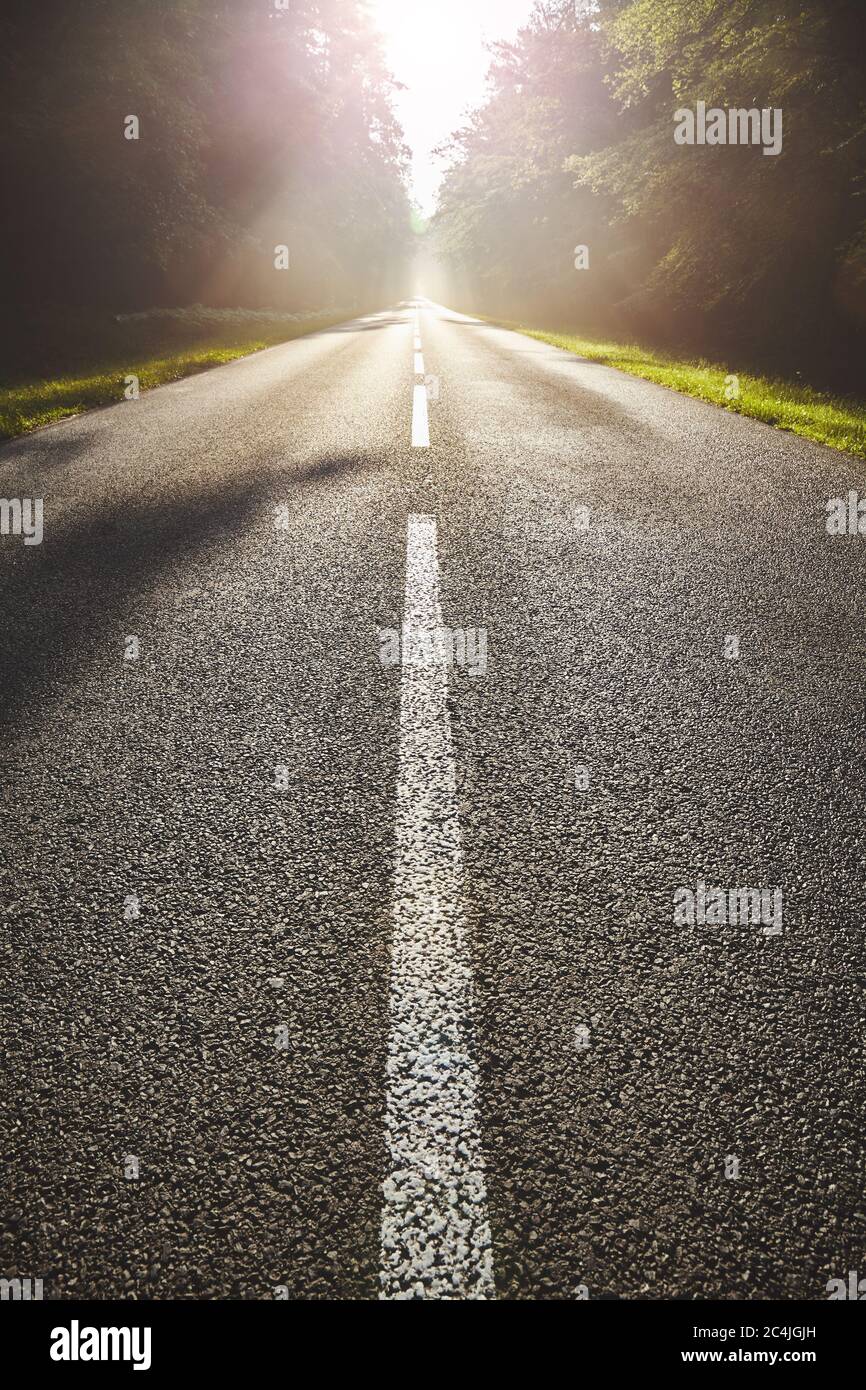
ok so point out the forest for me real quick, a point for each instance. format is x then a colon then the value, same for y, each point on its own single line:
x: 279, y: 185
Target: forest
x: 707, y: 248
x: 614, y: 181
x: 257, y: 125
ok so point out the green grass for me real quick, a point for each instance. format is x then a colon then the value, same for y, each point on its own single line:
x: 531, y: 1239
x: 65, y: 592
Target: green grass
x: 835, y: 421
x: 131, y: 349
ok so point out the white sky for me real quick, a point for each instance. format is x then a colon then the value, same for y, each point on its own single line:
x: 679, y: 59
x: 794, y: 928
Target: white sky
x: 436, y: 48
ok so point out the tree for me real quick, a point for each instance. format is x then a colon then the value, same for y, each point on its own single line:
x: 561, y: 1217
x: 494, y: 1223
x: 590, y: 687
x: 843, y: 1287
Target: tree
x: 719, y: 249
x: 258, y: 126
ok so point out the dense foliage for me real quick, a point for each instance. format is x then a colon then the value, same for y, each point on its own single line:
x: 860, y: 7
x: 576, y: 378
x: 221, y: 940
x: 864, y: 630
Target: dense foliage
x: 260, y: 125
x: 719, y: 249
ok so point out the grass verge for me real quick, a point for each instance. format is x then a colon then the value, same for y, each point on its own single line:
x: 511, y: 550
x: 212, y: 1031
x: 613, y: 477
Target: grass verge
x: 28, y: 404
x: 836, y: 421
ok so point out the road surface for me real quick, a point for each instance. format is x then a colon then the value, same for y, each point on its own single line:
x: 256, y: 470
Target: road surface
x: 341, y: 968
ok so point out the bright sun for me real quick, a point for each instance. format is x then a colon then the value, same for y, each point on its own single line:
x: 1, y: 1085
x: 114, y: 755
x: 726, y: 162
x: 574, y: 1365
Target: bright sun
x: 437, y: 52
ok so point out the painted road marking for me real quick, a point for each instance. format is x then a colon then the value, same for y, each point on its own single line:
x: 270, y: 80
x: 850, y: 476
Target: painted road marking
x: 435, y: 1230
x: 420, y: 421
x: 419, y: 364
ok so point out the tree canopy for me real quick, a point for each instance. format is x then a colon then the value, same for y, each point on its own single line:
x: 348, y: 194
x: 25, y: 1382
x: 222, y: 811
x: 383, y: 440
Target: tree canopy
x: 720, y: 248
x: 259, y: 125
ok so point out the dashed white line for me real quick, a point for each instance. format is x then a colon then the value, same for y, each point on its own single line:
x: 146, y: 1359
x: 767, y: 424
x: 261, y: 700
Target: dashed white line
x: 435, y: 1230
x: 419, y: 364
x: 420, y: 421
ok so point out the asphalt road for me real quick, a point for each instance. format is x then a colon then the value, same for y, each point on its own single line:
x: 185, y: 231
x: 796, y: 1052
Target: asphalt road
x: 627, y: 1105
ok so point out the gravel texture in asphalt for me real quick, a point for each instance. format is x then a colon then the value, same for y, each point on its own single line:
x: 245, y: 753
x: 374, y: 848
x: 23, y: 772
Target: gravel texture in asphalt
x: 199, y: 844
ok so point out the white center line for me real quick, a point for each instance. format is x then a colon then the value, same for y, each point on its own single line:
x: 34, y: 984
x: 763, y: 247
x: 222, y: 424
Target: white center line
x: 420, y: 421
x: 417, y: 342
x: 419, y: 364
x: 435, y: 1230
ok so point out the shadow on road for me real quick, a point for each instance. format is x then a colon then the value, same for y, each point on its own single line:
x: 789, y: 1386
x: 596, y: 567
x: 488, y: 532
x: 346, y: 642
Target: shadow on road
x: 362, y: 326
x: 33, y: 455
x: 64, y: 599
